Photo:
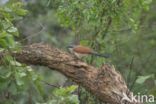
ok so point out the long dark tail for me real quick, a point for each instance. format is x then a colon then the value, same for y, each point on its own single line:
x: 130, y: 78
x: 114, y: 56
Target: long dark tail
x: 101, y: 55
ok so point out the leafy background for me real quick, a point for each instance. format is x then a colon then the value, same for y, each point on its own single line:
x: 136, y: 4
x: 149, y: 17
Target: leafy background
x: 123, y: 28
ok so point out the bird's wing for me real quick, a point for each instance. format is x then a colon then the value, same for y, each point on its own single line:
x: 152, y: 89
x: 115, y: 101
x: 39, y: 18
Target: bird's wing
x: 82, y: 50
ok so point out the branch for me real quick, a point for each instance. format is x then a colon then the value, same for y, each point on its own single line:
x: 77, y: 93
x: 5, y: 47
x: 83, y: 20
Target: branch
x: 105, y: 82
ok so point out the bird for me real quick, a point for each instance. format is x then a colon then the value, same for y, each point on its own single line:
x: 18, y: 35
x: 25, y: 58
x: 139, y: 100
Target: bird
x: 80, y: 51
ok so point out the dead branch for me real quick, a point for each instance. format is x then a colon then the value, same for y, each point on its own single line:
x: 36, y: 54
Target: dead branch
x: 105, y: 82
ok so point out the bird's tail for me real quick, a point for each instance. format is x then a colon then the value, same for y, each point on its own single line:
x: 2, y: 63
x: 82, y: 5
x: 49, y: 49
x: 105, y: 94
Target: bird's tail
x: 101, y: 55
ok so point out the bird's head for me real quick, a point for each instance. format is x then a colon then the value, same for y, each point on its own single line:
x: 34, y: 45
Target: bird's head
x: 70, y: 46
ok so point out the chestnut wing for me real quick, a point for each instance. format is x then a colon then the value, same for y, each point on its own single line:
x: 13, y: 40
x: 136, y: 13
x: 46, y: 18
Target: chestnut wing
x: 82, y: 50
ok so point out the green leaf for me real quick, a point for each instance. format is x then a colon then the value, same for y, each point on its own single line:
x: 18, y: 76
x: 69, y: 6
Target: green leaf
x: 84, y: 42
x: 15, y: 63
x: 147, y: 1
x: 3, y: 34
x: 19, y: 81
x: 35, y: 77
x: 29, y: 69
x: 13, y: 30
x: 11, y: 41
x: 71, y: 88
x: 65, y: 91
x: 8, y: 58
x: 6, y: 76
x: 6, y: 24
x: 20, y: 75
x: 1, y: 26
x: 21, y: 12
x: 142, y: 79
x: 74, y: 99
x: 3, y: 43
x: 7, y: 9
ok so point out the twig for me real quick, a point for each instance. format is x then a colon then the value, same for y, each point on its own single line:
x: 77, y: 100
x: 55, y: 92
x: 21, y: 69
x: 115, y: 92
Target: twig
x: 56, y: 86
x: 35, y: 34
x: 130, y: 67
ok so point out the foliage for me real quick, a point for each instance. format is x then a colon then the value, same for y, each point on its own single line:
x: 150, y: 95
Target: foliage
x: 116, y: 27
x: 123, y: 28
x: 20, y: 83
x: 8, y: 31
x: 142, y: 79
x: 16, y: 79
x: 63, y: 96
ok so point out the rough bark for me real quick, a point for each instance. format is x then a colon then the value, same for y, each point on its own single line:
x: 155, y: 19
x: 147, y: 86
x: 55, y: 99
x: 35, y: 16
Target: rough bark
x: 105, y: 82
